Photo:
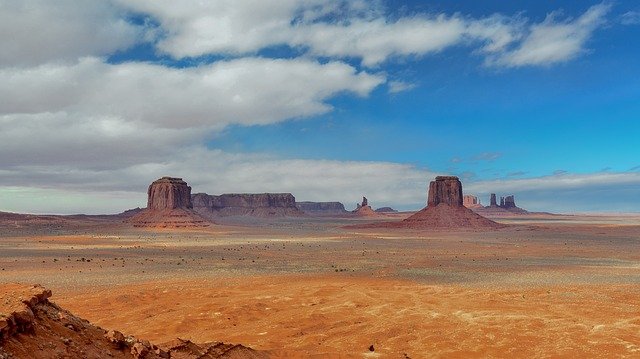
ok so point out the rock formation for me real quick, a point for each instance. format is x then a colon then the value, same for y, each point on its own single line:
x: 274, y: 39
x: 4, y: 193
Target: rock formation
x: 492, y: 201
x: 446, y: 190
x: 363, y: 209
x: 507, y: 207
x: 244, y: 204
x: 322, y: 208
x: 386, y: 210
x: 168, y: 206
x: 32, y: 327
x: 445, y: 210
x: 471, y: 201
x: 509, y: 202
x: 169, y: 193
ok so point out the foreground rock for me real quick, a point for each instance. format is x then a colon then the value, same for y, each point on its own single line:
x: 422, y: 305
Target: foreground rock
x: 32, y: 327
x: 262, y: 205
x: 168, y: 206
x: 322, y: 208
x: 445, y: 210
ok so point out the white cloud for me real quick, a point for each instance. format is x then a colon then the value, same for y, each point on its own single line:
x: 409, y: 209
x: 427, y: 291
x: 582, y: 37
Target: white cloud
x: 630, y: 18
x: 246, y: 91
x: 361, y: 30
x: 400, y: 86
x: 39, y: 31
x: 356, y: 29
x: 553, y: 40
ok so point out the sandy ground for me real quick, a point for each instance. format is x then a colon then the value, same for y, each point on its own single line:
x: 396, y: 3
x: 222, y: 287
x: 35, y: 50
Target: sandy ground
x: 544, y: 287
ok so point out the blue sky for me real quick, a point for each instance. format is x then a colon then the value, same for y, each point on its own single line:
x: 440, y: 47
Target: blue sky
x: 327, y: 99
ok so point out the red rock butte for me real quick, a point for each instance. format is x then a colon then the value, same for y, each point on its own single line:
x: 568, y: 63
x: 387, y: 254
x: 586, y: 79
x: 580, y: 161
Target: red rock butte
x: 169, y: 206
x: 445, y: 209
x: 169, y: 193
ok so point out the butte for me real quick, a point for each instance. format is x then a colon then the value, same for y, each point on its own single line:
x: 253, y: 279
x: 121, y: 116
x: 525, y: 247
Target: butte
x: 169, y: 206
x: 444, y: 210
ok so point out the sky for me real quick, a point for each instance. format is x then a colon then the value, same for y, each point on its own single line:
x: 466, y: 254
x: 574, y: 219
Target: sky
x: 327, y: 99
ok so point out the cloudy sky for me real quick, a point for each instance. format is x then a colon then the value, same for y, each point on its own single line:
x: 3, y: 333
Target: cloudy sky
x: 327, y: 99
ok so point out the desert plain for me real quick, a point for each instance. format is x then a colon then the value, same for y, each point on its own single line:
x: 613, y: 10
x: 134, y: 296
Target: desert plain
x: 542, y: 286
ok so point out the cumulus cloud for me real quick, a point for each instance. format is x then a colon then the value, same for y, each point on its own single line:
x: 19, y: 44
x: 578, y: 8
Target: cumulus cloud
x: 248, y: 91
x: 554, y: 40
x: 362, y: 30
x: 39, y: 31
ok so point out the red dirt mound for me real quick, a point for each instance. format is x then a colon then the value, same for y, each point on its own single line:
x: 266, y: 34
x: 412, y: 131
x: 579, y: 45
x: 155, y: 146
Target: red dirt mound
x: 169, y: 218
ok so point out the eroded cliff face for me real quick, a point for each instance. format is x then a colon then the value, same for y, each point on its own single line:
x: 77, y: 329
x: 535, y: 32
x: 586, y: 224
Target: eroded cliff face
x: 246, y: 204
x: 169, y: 193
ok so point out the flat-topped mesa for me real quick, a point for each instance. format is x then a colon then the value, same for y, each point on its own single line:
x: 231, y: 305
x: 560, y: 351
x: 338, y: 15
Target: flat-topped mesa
x: 169, y: 193
x: 246, y: 204
x: 322, y: 208
x: 445, y: 190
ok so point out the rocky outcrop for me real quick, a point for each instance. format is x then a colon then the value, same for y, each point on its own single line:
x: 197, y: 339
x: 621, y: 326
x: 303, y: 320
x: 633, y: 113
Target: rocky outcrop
x: 168, y: 206
x: 169, y: 193
x: 246, y: 204
x: 322, y: 208
x: 471, y: 201
x: 32, y: 327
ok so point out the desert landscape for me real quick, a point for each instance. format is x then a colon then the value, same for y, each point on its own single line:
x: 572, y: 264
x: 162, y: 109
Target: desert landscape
x: 526, y: 285
x: 252, y: 179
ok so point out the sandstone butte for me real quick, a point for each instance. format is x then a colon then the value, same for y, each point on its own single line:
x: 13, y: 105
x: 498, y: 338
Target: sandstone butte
x: 444, y: 210
x: 33, y: 327
x: 169, y: 206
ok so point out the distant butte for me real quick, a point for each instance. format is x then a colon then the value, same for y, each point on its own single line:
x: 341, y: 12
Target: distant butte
x: 444, y: 210
x: 169, y: 206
